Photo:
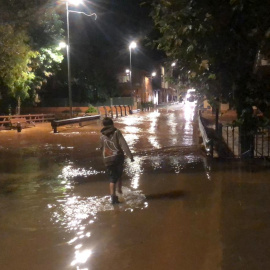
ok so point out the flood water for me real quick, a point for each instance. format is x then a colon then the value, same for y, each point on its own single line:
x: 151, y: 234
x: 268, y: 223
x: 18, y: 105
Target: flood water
x: 178, y: 210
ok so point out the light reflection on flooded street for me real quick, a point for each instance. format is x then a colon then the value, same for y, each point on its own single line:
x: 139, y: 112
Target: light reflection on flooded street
x: 178, y: 211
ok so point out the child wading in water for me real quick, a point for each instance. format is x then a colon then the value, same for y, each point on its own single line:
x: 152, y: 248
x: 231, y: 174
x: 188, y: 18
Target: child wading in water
x: 113, y: 146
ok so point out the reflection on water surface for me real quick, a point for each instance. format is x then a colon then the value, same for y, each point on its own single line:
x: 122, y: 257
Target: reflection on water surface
x: 70, y: 223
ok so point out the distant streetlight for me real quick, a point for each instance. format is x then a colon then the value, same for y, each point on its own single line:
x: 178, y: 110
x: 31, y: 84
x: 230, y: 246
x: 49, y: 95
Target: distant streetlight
x: 154, y: 74
x: 62, y: 45
x: 75, y: 3
x: 132, y: 45
x: 177, y: 90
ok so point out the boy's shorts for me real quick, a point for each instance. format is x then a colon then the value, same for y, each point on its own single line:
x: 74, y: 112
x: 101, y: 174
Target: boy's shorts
x: 115, y: 172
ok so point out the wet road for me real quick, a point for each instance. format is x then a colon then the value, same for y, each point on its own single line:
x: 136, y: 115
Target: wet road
x: 178, y: 211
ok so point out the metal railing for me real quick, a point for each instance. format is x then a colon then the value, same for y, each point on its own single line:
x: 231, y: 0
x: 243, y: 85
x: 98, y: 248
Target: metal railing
x: 261, y: 143
x: 231, y: 136
x: 116, y: 110
x: 208, y: 143
x: 5, y: 120
x: 76, y: 120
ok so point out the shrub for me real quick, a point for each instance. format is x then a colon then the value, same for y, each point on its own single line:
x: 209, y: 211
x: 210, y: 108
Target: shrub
x: 91, y: 109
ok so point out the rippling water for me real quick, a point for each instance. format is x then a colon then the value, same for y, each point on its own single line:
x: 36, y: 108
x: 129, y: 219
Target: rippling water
x: 54, y: 186
x: 55, y: 210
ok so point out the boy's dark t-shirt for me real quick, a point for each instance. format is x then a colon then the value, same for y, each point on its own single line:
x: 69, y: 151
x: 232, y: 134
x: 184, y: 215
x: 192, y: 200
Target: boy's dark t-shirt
x: 113, y: 146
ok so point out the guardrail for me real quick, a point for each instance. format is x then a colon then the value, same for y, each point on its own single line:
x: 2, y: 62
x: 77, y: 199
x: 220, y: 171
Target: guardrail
x: 79, y: 120
x: 5, y: 120
x: 208, y: 143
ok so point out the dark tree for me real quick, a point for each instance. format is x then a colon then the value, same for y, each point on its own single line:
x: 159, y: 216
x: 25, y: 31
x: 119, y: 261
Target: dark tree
x: 216, y: 44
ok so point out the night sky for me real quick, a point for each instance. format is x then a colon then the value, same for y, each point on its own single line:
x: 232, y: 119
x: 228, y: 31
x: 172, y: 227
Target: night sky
x: 118, y: 23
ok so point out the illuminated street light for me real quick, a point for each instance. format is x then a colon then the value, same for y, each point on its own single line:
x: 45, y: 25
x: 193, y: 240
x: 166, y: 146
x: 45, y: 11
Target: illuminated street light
x: 177, y: 90
x: 132, y: 45
x: 62, y: 45
x: 155, y: 92
x: 75, y: 3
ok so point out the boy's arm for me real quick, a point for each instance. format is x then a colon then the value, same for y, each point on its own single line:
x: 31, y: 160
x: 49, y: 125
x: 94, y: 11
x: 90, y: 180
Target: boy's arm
x: 124, y: 145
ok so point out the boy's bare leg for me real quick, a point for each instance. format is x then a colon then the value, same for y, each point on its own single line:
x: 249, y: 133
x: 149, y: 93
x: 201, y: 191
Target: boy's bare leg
x: 114, y: 198
x: 119, y: 186
x: 112, y: 188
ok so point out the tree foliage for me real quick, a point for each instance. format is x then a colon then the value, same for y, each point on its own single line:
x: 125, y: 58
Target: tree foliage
x: 215, y: 44
x: 30, y: 32
x: 46, y: 34
x: 95, y: 74
x: 15, y: 61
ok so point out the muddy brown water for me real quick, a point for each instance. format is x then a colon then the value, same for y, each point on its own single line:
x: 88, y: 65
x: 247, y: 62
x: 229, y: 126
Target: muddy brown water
x: 178, y: 210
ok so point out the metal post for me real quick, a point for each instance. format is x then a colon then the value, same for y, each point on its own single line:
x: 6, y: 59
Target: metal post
x: 256, y: 142
x: 262, y: 141
x: 233, y: 139
x: 111, y: 111
x: 130, y: 71
x: 116, y: 112
x: 130, y: 109
x: 19, y: 127
x: 105, y: 109
x: 268, y: 142
x: 68, y: 63
x: 227, y: 135
x: 120, y: 110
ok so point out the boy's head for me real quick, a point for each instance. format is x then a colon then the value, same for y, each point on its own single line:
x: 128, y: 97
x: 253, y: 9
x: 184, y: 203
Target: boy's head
x: 107, y: 121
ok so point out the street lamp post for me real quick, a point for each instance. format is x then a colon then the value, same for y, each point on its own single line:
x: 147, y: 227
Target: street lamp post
x: 154, y: 74
x: 76, y: 3
x: 132, y: 45
x: 177, y: 90
x: 68, y: 65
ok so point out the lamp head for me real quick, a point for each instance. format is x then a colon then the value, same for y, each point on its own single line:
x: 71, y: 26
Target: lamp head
x: 132, y: 45
x: 62, y: 45
x: 75, y: 2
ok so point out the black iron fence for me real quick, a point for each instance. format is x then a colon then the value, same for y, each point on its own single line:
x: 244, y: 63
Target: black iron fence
x: 262, y: 142
x: 259, y: 148
x: 231, y: 136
